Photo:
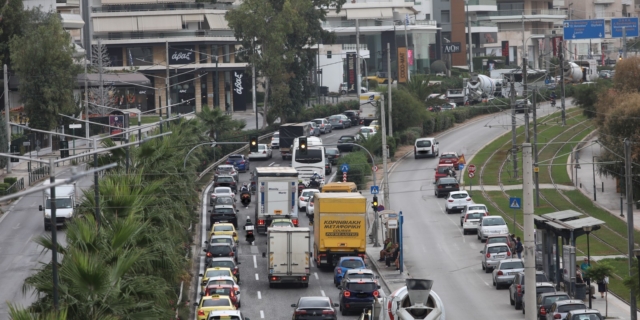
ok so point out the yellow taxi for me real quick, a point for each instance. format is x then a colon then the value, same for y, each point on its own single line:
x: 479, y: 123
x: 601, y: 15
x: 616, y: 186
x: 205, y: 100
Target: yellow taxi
x: 213, y: 303
x: 224, y: 229
x: 217, y: 272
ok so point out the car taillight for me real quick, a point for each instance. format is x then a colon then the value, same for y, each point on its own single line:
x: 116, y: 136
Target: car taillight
x: 508, y: 253
x: 339, y: 271
x: 264, y: 152
x: 376, y: 293
x: 201, y: 312
x: 235, y: 270
x: 231, y: 294
x: 347, y: 294
x: 242, y: 162
x: 209, y: 254
x: 274, y: 278
x: 328, y: 312
x: 557, y: 316
x: 339, y: 121
x: 300, y: 312
x: 439, y: 186
x: 457, y: 186
x: 488, y: 255
x: 468, y: 199
x: 302, y: 198
x: 295, y: 222
x: 500, y: 273
x: 543, y: 311
x: 261, y: 222
x: 519, y: 289
x: 303, y: 278
x: 231, y: 254
x: 450, y: 200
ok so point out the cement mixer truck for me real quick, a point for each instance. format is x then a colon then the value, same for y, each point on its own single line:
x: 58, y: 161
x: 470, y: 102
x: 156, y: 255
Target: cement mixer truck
x: 581, y: 71
x: 480, y: 87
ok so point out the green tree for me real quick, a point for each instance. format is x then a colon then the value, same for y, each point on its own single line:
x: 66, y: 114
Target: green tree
x: 599, y: 271
x: 215, y: 122
x: 407, y: 110
x: 586, y: 97
x: 12, y: 20
x: 4, y: 141
x: 43, y: 59
x: 17, y: 313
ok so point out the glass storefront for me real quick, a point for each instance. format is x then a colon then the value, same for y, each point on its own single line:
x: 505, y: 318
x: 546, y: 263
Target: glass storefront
x: 139, y: 56
x: 183, y: 91
x: 125, y: 97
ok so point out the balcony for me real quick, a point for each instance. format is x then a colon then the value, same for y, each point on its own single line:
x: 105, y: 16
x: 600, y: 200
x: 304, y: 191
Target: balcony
x: 67, y: 3
x: 375, y: 23
x: 352, y: 46
x: 481, y: 5
x: 540, y: 15
x: 558, y: 3
x: 159, y: 7
x: 186, y: 35
x: 607, y: 15
x: 604, y: 1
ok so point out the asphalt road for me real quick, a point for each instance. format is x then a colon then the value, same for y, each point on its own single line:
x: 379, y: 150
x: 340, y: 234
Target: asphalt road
x: 19, y: 254
x: 258, y: 300
x: 435, y: 247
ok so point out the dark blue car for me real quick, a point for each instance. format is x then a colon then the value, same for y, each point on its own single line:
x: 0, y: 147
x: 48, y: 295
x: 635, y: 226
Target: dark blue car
x: 357, y: 294
x: 346, y: 263
x: 239, y: 161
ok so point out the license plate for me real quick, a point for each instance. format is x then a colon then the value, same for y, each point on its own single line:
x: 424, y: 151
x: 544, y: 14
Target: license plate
x: 277, y: 211
x: 474, y: 222
x: 448, y: 186
x: 500, y: 256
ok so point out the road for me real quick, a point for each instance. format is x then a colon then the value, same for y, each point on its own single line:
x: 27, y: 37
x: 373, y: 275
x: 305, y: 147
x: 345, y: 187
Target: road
x: 434, y: 245
x: 258, y: 300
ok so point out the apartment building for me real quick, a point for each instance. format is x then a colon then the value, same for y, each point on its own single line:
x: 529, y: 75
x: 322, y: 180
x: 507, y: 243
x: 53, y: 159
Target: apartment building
x: 188, y: 43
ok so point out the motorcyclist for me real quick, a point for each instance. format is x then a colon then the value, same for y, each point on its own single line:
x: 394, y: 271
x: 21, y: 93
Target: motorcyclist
x: 314, y: 183
x: 553, y: 98
x: 244, y: 188
x: 301, y: 187
x: 248, y: 227
x: 315, y: 176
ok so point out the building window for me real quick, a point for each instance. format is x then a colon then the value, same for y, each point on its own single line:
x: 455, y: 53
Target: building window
x: 214, y: 53
x: 140, y: 56
x: 445, y: 16
x: 227, y: 56
x: 328, y: 54
x: 183, y: 93
x: 115, y: 56
x: 227, y: 89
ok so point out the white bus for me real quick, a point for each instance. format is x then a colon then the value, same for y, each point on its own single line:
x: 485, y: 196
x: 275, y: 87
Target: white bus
x: 313, y: 161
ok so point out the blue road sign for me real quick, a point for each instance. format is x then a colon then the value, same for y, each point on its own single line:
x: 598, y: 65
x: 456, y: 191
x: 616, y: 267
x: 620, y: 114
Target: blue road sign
x: 344, y: 168
x: 583, y: 29
x: 393, y: 215
x: 374, y: 190
x: 515, y: 203
x: 460, y: 166
x: 630, y: 24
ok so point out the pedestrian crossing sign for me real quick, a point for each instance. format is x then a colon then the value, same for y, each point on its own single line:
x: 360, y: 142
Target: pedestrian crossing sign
x: 515, y: 203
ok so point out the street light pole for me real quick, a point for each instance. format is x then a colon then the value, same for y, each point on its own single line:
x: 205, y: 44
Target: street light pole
x: 593, y: 167
x: 54, y: 235
x: 587, y: 230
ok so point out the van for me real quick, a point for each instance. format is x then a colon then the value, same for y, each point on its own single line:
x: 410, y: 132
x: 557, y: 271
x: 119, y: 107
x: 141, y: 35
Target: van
x: 340, y: 187
x: 426, y: 147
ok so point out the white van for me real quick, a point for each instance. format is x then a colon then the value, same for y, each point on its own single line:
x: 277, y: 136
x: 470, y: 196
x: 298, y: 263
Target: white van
x: 426, y: 147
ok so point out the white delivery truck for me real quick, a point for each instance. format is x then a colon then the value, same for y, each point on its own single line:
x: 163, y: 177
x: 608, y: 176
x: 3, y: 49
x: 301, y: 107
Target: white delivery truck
x: 65, y: 204
x: 289, y: 252
x: 277, y: 188
x: 368, y: 107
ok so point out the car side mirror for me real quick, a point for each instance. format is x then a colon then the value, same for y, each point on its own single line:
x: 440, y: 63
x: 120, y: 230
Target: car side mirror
x: 77, y: 205
x: 434, y: 169
x: 336, y: 305
x: 40, y: 207
x: 437, y: 142
x: 208, y: 211
x: 206, y: 242
x: 237, y: 292
x: 339, y: 287
x: 200, y: 275
x: 239, y: 263
x: 481, y: 251
x: 195, y: 304
x: 264, y: 254
x: 202, y: 294
x: 378, y: 286
x: 237, y: 211
x: 293, y: 305
x: 310, y: 254
x: 204, y: 250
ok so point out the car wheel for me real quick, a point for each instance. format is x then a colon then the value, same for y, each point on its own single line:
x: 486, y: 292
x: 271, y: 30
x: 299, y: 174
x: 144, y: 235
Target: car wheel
x: 513, y: 302
x: 415, y: 156
x: 488, y: 270
x: 446, y: 210
x: 464, y: 232
x: 494, y: 282
x: 305, y: 285
x: 518, y: 305
x: 271, y: 285
x: 522, y: 310
x: 482, y: 264
x: 479, y: 236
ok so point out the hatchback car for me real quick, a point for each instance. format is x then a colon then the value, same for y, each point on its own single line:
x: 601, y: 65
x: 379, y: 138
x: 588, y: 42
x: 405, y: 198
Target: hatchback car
x: 441, y: 171
x: 367, y: 132
x: 304, y: 198
x: 561, y: 308
x: 587, y: 314
x: 216, y: 272
x: 223, y: 213
x: 275, y: 140
x: 224, y: 290
x: 354, y: 116
x: 355, y: 274
x: 239, y: 161
x: 325, y: 126
x: 339, y: 121
x: 457, y: 201
x: 216, y: 250
x: 344, y: 264
x: 516, y: 290
x: 226, y: 315
x: 225, y: 200
x: 213, y: 303
x: 499, y: 238
x: 426, y: 147
x: 333, y: 154
x: 470, y: 223
x: 344, y: 143
x: 224, y: 239
x: 314, y: 308
x: 314, y: 129
x: 473, y: 207
x: 493, y: 254
x: 264, y: 152
x: 506, y: 270
x: 490, y: 225
x: 357, y: 294
x: 226, y: 169
x: 523, y: 105
x: 446, y: 185
x: 541, y: 287
x: 278, y: 223
x: 545, y: 300
x: 221, y: 192
x: 449, y: 158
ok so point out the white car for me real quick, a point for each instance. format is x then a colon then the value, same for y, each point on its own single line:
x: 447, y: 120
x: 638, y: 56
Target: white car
x: 426, y: 147
x: 471, y: 221
x: 275, y: 140
x: 491, y: 225
x: 457, y: 200
x: 304, y: 198
x: 310, y: 206
x: 492, y: 254
x: 263, y: 152
x: 367, y: 132
x: 325, y: 126
x: 221, y: 191
x: 473, y: 207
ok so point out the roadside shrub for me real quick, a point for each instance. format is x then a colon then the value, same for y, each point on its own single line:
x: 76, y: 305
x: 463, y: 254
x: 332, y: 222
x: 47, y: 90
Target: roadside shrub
x: 10, y: 180
x: 409, y: 136
x: 3, y: 188
x: 359, y: 167
x: 461, y: 114
x: 373, y: 84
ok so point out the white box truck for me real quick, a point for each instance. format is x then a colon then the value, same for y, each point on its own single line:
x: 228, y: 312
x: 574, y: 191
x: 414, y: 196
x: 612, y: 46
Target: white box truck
x: 276, y: 196
x: 65, y: 204
x: 289, y: 255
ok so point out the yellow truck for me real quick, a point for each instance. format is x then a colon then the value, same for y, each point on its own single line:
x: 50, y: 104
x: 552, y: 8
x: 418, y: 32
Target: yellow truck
x: 340, y: 227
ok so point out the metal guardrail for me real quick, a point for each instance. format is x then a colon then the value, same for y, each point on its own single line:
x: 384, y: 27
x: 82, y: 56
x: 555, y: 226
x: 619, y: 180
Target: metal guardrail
x: 16, y: 186
x: 38, y: 174
x: 224, y: 159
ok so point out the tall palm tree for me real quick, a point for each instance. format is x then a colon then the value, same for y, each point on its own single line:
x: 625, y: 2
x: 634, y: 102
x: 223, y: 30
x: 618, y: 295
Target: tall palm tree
x: 216, y: 122
x: 17, y: 313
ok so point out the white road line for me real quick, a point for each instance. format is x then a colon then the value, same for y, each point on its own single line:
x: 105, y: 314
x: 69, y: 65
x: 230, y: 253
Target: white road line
x: 322, y: 292
x: 316, y: 275
x: 272, y: 163
x: 330, y: 135
x: 259, y: 295
x: 257, y: 279
x: 261, y: 314
x: 255, y: 262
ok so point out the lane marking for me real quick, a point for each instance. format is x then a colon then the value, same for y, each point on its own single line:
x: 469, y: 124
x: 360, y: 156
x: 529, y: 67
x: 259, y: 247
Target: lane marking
x: 316, y: 275
x: 257, y: 279
x: 259, y: 295
x: 261, y: 314
x: 255, y: 262
x: 322, y: 292
x: 272, y: 163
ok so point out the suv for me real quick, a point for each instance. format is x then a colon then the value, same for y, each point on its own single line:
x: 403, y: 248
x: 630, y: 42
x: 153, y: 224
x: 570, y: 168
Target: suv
x: 559, y: 309
x: 346, y: 263
x: 226, y: 181
x: 353, y: 115
x: 541, y: 287
x: 339, y: 121
x: 223, y: 213
x: 426, y: 147
x: 357, y: 294
x: 457, y: 200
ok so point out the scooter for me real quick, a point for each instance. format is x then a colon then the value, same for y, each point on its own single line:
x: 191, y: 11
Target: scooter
x: 248, y: 227
x: 553, y: 102
x: 245, y: 198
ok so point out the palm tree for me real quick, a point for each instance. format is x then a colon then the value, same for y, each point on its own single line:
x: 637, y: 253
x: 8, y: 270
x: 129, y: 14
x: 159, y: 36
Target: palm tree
x: 16, y: 313
x: 215, y: 122
x: 419, y: 87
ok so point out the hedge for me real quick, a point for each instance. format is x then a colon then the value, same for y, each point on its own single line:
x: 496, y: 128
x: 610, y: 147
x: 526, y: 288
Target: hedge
x: 10, y: 180
x: 358, y: 167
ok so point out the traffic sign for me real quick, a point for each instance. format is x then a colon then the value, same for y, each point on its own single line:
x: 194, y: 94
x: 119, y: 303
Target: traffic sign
x: 471, y: 168
x: 583, y: 29
x: 515, y: 203
x: 630, y: 24
x: 460, y: 166
x: 374, y: 168
x: 344, y: 168
x: 392, y: 215
x: 75, y: 126
x: 471, y: 174
x: 374, y: 190
x: 392, y: 223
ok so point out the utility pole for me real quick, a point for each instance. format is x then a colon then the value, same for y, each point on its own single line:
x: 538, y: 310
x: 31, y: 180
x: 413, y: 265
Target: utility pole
x: 629, y: 191
x: 535, y: 146
x: 86, y: 97
x: 564, y: 114
x: 54, y: 234
x: 385, y: 185
x: 389, y: 81
x: 469, y: 45
x: 529, y: 241
x: 6, y: 115
x: 526, y: 101
x: 406, y: 44
x: 624, y: 42
x: 253, y: 92
x: 96, y: 192
x: 514, y: 146
x: 358, y: 76
x: 101, y: 84
x: 166, y: 82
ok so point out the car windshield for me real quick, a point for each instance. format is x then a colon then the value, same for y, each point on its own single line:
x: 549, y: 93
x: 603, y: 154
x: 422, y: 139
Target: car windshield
x: 498, y: 249
x: 225, y: 169
x: 225, y: 179
x: 450, y: 156
x: 221, y: 291
x: 223, y: 211
x: 459, y: 195
x: 346, y: 139
x: 497, y: 240
x: 475, y: 215
x: 224, y: 200
x: 365, y: 287
x: 540, y: 290
x: 222, y: 228
x: 221, y: 240
x: 443, y: 169
x: 352, y: 264
x: 331, y: 151
x: 423, y: 143
x: 307, y: 193
x: 366, y: 130
x: 216, y: 273
x: 235, y: 158
x: 551, y: 299
x: 360, y: 276
x: 219, y: 249
x: 282, y: 224
x: 447, y: 181
x: 222, y: 264
x: 224, y: 317
x: 586, y: 317
x: 541, y: 277
x: 220, y: 282
x: 216, y: 303
x: 469, y: 208
x: 60, y: 203
x: 569, y: 307
x: 314, y: 303
x: 511, y: 265
x: 493, y: 222
x: 312, y: 156
x: 222, y: 190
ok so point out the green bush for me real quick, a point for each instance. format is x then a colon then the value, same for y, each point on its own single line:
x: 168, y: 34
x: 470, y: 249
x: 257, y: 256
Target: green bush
x: 409, y: 136
x: 373, y: 84
x: 359, y: 167
x: 3, y: 188
x: 326, y: 110
x: 10, y: 180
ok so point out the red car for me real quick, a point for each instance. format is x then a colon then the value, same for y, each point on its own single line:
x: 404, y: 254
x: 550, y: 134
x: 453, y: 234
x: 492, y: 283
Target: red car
x: 441, y: 171
x: 224, y: 290
x: 451, y: 158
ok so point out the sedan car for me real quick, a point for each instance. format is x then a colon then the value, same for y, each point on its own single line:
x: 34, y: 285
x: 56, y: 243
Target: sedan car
x: 328, y: 168
x: 223, y: 213
x: 516, y: 290
x: 333, y: 154
x: 457, y: 201
x: 545, y: 300
x: 217, y: 250
x: 367, y: 132
x: 325, y: 126
x: 561, y: 308
x: 263, y: 152
x: 227, y: 169
x: 504, y: 273
x: 446, y: 185
x: 450, y: 158
x: 346, y: 263
x: 470, y: 223
x: 490, y: 225
x: 344, y: 143
x: 224, y: 280
x: 314, y: 129
x: 493, y: 254
x: 223, y: 238
x: 339, y: 121
x: 307, y: 306
x: 541, y: 287
x: 586, y: 314
x: 221, y: 192
x: 473, y: 207
x: 275, y: 140
x: 224, y: 290
x: 239, y: 161
x: 523, y: 105
x: 225, y: 181
x: 216, y: 272
x: 226, y: 262
x: 213, y: 303
x: 222, y: 200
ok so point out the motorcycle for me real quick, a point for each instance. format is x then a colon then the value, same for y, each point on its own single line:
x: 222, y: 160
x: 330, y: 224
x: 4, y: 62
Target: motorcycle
x: 249, y: 237
x: 245, y: 198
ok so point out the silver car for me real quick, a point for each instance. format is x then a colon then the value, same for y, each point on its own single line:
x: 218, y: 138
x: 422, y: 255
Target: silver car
x: 473, y: 206
x: 493, y: 254
x: 506, y: 270
x: 314, y: 129
x: 471, y: 221
x: 340, y: 121
x: 491, y: 225
x: 325, y: 126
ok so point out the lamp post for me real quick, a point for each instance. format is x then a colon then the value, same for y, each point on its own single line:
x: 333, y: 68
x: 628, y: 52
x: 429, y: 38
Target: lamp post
x: 636, y: 252
x: 587, y: 230
x: 593, y: 166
